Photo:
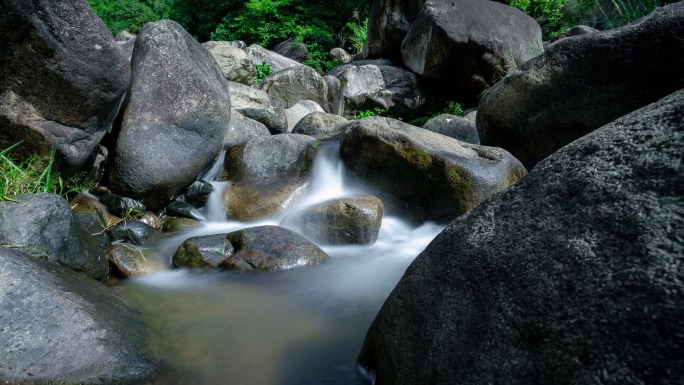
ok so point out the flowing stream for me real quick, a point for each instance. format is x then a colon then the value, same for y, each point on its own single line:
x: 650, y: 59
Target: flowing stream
x: 300, y: 326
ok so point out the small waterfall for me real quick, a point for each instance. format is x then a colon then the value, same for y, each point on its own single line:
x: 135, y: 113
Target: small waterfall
x: 327, y: 175
x: 214, y: 208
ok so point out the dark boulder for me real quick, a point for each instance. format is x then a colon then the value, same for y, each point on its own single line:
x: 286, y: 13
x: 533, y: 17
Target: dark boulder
x: 44, y: 226
x: 353, y: 220
x: 176, y: 117
x: 388, y: 22
x: 135, y: 232
x: 61, y: 327
x: 62, y: 80
x: 420, y: 174
x: 571, y: 276
x: 582, y: 83
x: 182, y: 209
x: 119, y: 205
x: 469, y: 44
x: 203, y: 252
x: 292, y: 49
x: 270, y: 248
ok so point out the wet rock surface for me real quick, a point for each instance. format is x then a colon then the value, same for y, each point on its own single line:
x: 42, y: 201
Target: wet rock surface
x: 351, y: 220
x: 128, y: 261
x: 270, y: 248
x: 203, y: 252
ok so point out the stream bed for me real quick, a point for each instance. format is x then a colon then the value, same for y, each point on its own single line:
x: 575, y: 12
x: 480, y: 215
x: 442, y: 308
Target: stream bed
x: 300, y: 326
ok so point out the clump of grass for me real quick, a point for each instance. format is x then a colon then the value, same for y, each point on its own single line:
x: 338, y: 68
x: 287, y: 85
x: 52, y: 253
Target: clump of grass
x: 366, y: 113
x: 35, y: 175
x: 626, y: 11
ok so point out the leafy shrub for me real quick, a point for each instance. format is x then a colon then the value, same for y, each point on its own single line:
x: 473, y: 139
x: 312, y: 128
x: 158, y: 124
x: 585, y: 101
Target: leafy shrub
x: 262, y: 71
x: 358, y: 35
x: 130, y: 15
x: 366, y: 113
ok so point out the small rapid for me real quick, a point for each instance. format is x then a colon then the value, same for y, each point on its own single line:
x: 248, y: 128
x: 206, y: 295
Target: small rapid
x: 299, y: 326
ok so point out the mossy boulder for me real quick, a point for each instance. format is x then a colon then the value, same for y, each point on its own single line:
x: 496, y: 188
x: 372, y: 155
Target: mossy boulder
x: 270, y: 248
x: 128, y: 261
x: 203, y: 252
x: 344, y: 221
x: 423, y: 175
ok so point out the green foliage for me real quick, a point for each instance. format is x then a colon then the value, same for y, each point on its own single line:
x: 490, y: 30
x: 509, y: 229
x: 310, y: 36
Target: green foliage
x: 358, y: 35
x: 451, y: 107
x: 366, y: 113
x: 130, y: 15
x: 35, y: 175
x: 626, y: 11
x: 262, y: 71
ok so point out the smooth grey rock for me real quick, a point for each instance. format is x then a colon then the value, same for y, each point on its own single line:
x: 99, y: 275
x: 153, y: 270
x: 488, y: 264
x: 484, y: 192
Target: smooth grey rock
x: 243, y: 128
x: 321, y: 125
x: 455, y: 127
x: 340, y: 55
x: 55, y: 90
x: 127, y: 46
x: 571, y: 276
x: 295, y: 84
x: 469, y: 44
x: 335, y: 95
x: 582, y: 83
x: 292, y: 50
x: 422, y: 175
x: 176, y: 118
x: 175, y: 224
x: 301, y: 109
x: 234, y: 62
x: 277, y: 62
x: 61, y: 327
x: 260, y: 106
x: 124, y: 36
x: 44, y: 226
x: 268, y: 175
x: 270, y: 248
x: 128, y: 261
x: 370, y: 84
x: 206, y: 251
x: 388, y: 22
x: 353, y: 220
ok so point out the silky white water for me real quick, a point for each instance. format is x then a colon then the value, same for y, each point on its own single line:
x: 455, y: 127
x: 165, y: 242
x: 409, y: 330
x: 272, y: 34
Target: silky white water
x: 299, y: 326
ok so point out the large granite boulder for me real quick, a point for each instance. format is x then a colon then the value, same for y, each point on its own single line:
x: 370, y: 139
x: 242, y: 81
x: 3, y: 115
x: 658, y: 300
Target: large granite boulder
x: 44, y: 226
x: 388, y: 22
x: 422, y: 175
x: 260, y: 106
x: 55, y: 90
x: 268, y: 175
x: 353, y: 220
x: 176, y: 118
x: 295, y: 84
x: 572, y: 276
x: 61, y: 327
x: 369, y: 84
x: 582, y: 83
x: 469, y: 44
x: 270, y: 248
x: 276, y: 61
x: 234, y: 62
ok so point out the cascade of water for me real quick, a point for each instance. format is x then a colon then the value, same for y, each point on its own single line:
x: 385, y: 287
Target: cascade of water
x: 292, y: 327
